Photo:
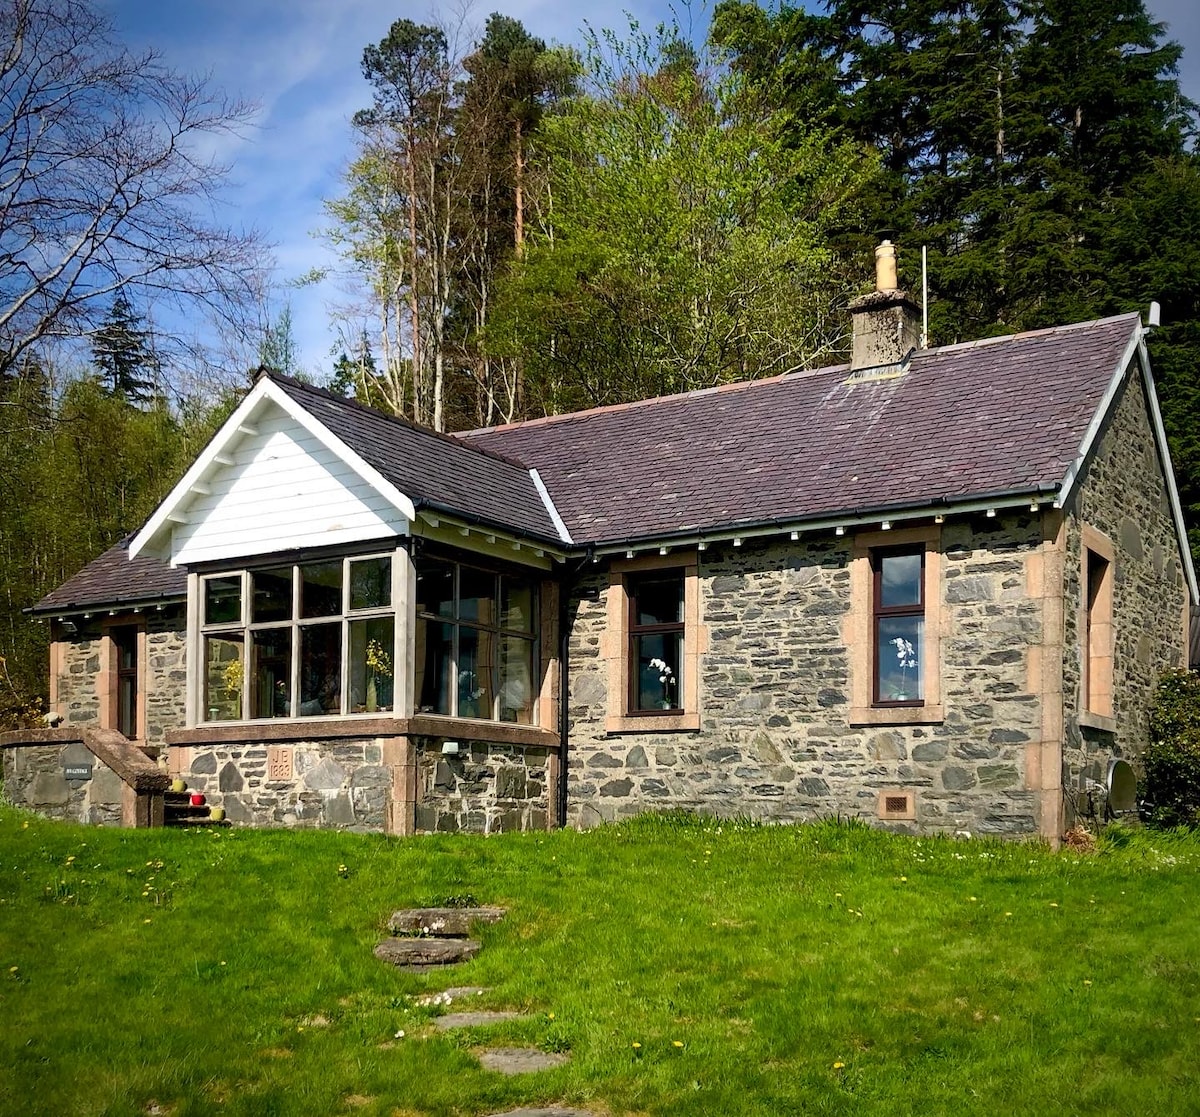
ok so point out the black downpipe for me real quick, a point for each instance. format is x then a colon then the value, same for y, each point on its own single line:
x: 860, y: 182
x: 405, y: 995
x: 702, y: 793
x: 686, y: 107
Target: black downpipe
x: 564, y: 685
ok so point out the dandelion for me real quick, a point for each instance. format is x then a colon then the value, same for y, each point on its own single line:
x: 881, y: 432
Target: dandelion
x: 550, y: 1016
x: 676, y: 1043
x: 636, y: 1046
x: 13, y: 969
x: 1054, y: 905
x: 145, y: 920
x: 1007, y: 913
x: 973, y: 899
x: 1086, y: 982
x: 70, y: 859
x: 904, y: 880
x: 839, y: 1066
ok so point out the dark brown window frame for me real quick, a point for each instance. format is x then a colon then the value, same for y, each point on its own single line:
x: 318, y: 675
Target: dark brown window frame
x: 126, y: 676
x: 880, y: 611
x: 635, y: 630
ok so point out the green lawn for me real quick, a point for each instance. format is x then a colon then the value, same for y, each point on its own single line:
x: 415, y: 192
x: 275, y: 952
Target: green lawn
x: 822, y: 969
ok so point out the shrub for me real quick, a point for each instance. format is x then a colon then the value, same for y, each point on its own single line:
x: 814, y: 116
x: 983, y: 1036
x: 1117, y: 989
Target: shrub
x: 1172, y: 761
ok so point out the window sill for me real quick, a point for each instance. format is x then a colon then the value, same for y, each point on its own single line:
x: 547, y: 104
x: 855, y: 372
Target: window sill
x: 897, y: 715
x: 653, y: 723
x: 287, y: 729
x: 472, y: 729
x: 1088, y: 720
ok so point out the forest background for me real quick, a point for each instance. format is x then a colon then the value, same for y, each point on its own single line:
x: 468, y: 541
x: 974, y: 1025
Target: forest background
x: 527, y: 228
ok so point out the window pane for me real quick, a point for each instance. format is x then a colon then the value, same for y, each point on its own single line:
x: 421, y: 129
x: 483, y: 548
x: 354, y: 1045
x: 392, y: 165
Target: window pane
x: 476, y: 595
x: 435, y: 587
x: 321, y: 590
x: 516, y: 679
x: 223, y: 675
x: 272, y: 595
x: 223, y: 600
x: 899, y: 654
x: 435, y: 649
x: 476, y: 659
x: 371, y: 583
x: 320, y: 669
x: 656, y: 660
x: 271, y: 674
x: 516, y: 604
x: 658, y: 600
x: 900, y: 580
x: 371, y: 667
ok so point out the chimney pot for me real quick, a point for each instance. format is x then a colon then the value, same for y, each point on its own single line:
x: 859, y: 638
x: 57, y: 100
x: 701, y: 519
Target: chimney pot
x: 885, y: 267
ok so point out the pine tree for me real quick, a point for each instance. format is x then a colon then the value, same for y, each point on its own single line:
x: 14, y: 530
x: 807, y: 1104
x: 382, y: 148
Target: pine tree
x: 123, y: 352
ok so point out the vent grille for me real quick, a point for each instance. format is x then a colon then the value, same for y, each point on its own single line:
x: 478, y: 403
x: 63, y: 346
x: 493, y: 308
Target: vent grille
x: 896, y: 804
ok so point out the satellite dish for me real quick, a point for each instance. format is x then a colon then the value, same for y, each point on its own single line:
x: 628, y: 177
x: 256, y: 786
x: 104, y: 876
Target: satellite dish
x: 1122, y: 786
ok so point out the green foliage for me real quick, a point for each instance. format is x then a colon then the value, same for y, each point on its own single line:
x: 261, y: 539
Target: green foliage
x: 1171, y: 761
x: 232, y: 972
x: 681, y: 240
x: 124, y: 355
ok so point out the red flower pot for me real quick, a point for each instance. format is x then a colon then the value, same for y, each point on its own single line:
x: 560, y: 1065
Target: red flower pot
x: 197, y: 799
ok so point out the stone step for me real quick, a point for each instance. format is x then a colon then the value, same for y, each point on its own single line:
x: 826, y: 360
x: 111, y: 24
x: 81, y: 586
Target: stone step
x: 545, y: 1111
x: 473, y: 1019
x: 442, y: 922
x: 520, y: 1060
x: 425, y: 952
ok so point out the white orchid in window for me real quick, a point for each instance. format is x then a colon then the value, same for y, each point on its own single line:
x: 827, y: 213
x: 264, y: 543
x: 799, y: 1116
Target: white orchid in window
x: 666, y: 678
x: 906, y: 658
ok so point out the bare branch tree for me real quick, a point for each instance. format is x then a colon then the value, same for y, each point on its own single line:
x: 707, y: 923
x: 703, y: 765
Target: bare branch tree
x: 108, y: 181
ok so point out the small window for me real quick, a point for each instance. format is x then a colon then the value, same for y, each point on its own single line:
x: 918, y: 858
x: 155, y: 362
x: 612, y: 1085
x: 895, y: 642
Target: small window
x: 125, y: 642
x: 656, y: 628
x: 898, y: 624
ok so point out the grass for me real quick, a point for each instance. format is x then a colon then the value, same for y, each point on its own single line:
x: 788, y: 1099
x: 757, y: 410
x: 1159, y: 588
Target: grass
x: 690, y: 967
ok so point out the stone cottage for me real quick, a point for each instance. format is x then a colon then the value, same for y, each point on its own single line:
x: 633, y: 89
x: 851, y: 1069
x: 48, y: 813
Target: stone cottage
x: 932, y: 588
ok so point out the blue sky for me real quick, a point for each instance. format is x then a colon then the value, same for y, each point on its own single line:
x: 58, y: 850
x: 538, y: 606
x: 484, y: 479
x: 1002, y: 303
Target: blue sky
x: 299, y: 61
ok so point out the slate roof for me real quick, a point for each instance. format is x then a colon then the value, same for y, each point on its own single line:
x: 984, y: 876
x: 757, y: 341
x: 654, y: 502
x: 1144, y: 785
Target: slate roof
x: 977, y: 420
x: 434, y: 470
x: 116, y: 579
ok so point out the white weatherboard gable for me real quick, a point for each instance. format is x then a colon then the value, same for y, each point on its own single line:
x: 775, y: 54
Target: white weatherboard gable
x: 273, y: 478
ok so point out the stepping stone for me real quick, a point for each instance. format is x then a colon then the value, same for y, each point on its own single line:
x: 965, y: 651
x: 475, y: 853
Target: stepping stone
x: 472, y: 1019
x: 552, y: 1111
x: 423, y: 953
x: 520, y: 1060
x: 442, y: 922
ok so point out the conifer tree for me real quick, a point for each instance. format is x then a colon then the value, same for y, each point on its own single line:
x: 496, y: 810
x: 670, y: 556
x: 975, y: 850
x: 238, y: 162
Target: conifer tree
x: 123, y: 353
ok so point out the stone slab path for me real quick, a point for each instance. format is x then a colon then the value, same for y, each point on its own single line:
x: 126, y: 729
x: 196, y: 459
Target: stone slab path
x: 442, y: 922
x: 552, y: 1111
x: 423, y: 952
x: 520, y: 1060
x: 472, y: 1019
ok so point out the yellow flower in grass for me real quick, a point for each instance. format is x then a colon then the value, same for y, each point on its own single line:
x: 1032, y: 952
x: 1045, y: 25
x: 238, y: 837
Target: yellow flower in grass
x: 839, y: 1066
x: 676, y: 1043
x: 636, y: 1046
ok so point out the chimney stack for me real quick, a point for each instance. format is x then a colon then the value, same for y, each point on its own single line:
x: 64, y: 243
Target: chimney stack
x: 886, y: 324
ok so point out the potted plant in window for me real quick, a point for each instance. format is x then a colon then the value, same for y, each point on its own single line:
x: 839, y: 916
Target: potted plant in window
x: 232, y: 680
x: 906, y: 657
x: 379, y: 667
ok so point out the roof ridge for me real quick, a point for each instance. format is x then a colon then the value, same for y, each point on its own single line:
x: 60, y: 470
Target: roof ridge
x: 1022, y: 335
x: 674, y: 397
x: 399, y: 420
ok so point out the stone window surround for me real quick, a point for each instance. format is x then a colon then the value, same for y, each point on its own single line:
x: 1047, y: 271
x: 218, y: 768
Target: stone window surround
x: 1096, y: 633
x: 858, y: 630
x: 615, y: 646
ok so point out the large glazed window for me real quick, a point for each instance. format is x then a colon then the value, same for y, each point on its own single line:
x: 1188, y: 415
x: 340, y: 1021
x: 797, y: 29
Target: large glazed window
x: 298, y: 640
x: 656, y: 628
x: 476, y: 639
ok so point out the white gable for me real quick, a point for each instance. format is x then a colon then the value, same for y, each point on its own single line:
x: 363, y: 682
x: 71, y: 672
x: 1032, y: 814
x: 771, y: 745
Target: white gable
x: 273, y: 479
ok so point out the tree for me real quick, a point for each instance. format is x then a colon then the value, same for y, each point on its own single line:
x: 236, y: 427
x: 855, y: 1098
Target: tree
x: 277, y: 349
x: 104, y: 185
x: 679, y: 241
x: 123, y: 353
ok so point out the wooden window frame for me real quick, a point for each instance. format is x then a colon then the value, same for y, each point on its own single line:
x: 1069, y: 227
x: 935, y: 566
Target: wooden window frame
x: 879, y: 611
x: 109, y: 682
x: 616, y: 647
x: 496, y: 630
x: 634, y: 630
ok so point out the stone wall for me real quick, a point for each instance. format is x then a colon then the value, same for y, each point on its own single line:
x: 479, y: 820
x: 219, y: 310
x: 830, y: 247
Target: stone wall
x: 165, y: 673
x: 776, y: 740
x: 79, y: 675
x: 483, y: 789
x: 339, y: 784
x: 1123, y: 494
x: 34, y: 777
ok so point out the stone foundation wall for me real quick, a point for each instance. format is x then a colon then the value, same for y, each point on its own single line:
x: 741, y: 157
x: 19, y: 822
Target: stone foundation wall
x: 483, y: 789
x: 776, y: 740
x: 341, y: 784
x: 34, y: 778
x: 1123, y: 494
